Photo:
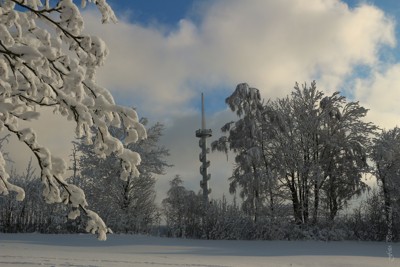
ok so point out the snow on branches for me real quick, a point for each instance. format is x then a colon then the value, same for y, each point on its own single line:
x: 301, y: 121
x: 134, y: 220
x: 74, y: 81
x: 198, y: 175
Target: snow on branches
x: 47, y: 60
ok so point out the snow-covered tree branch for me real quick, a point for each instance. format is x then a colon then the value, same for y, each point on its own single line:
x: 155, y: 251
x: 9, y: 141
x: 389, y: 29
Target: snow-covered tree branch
x: 126, y: 206
x: 47, y: 60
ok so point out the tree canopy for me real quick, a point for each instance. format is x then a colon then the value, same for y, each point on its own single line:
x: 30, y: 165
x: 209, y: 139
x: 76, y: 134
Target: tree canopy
x: 47, y: 61
x: 307, y: 148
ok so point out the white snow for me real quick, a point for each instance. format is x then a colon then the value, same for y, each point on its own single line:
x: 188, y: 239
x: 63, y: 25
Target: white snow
x: 142, y: 251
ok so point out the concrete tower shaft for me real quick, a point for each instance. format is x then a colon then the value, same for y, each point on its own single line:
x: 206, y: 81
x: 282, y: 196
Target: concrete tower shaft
x: 203, y: 134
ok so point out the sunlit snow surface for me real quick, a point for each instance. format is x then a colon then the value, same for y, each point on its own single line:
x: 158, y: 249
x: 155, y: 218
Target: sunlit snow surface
x: 141, y: 251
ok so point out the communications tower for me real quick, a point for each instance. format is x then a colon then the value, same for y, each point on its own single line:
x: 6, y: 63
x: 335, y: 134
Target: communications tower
x: 203, y: 134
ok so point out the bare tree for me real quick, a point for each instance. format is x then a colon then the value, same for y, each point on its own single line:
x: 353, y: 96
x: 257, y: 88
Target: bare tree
x: 321, y: 145
x: 307, y: 148
x: 386, y: 157
x: 127, y: 206
x: 246, y: 139
x: 183, y: 210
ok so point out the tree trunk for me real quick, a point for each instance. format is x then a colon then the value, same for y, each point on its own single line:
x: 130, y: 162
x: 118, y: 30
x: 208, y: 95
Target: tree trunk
x: 316, y: 203
x: 306, y: 202
x: 295, y: 202
x: 333, y: 205
x: 257, y: 188
x: 271, y: 202
x: 333, y: 210
x: 386, y: 199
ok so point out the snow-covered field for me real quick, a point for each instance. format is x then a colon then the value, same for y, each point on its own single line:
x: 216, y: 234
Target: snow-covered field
x: 141, y: 251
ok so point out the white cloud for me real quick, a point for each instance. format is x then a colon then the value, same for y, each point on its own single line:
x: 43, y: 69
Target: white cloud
x: 270, y: 44
x: 380, y: 93
x: 274, y: 43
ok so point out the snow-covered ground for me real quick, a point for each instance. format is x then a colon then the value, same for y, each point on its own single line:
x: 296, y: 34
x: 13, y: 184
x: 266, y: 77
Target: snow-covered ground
x: 141, y: 251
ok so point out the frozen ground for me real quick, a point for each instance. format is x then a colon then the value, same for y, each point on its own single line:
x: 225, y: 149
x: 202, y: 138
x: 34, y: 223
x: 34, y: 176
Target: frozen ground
x: 23, y: 250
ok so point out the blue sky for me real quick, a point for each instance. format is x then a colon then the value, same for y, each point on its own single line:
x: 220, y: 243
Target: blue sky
x: 151, y: 11
x: 170, y: 12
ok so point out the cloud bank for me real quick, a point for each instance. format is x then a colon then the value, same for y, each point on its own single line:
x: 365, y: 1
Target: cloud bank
x: 269, y: 44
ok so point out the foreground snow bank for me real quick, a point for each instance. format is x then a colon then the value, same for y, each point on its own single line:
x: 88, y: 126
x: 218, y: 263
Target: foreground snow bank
x: 142, y: 251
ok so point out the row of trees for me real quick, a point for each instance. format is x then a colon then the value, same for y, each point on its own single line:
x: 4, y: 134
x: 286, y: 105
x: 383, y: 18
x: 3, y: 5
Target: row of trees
x: 299, y: 160
x: 186, y: 218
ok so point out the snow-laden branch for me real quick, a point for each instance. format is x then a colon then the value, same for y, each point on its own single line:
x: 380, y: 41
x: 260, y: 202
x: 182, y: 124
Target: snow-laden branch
x: 46, y: 60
